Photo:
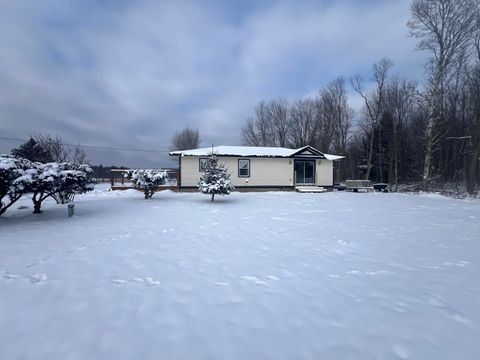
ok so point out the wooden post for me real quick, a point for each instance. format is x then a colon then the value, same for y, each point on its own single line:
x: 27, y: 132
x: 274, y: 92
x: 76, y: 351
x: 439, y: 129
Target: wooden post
x: 70, y: 208
x: 179, y: 173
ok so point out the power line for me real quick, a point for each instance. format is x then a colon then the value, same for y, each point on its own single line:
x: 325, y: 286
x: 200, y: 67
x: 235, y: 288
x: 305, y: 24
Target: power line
x: 96, y: 146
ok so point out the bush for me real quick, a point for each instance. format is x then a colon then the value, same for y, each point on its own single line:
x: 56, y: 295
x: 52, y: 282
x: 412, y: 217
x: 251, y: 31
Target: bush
x: 147, y: 180
x: 11, y: 189
x: 62, y: 181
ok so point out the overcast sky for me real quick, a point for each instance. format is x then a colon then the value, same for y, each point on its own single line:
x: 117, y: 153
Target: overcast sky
x: 123, y: 73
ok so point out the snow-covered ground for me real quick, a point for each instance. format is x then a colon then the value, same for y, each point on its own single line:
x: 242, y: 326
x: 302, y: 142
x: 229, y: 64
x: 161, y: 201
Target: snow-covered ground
x: 250, y: 276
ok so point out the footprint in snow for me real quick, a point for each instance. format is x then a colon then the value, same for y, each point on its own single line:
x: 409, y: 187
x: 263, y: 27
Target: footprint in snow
x: 254, y: 279
x: 118, y: 281
x: 257, y: 281
x: 5, y: 276
x: 147, y: 281
x: 42, y: 261
x: 353, y: 272
x: 38, y: 278
x: 459, y: 263
x: 34, y: 279
x: 370, y: 273
x: 272, y: 277
x: 79, y: 248
x: 446, y: 310
x: 335, y: 276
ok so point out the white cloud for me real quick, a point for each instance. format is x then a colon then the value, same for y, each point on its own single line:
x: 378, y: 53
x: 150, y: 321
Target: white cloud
x: 133, y: 74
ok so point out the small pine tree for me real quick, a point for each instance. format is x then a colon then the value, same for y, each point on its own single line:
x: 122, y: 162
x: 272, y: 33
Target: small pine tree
x: 216, y: 179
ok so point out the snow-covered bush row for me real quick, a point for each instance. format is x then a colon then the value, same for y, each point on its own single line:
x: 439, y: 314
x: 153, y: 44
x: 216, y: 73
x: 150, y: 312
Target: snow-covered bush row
x: 147, y: 180
x: 59, y: 180
x: 215, y: 179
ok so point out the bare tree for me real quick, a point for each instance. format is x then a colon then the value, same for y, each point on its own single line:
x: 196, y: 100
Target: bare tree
x: 186, y: 139
x: 374, y: 105
x: 475, y: 93
x: 323, y: 123
x: 60, y: 152
x: 249, y: 133
x: 269, y: 127
x: 337, y: 119
x: 340, y: 114
x: 263, y: 124
x: 278, y: 110
x: 79, y: 156
x: 303, y: 123
x: 400, y: 101
x: 55, y: 147
x: 445, y: 29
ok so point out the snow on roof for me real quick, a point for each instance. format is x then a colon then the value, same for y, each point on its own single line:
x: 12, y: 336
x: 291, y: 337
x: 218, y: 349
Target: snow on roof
x: 256, y: 151
x: 333, y: 157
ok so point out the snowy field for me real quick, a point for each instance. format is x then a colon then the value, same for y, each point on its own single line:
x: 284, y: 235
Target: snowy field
x: 252, y: 276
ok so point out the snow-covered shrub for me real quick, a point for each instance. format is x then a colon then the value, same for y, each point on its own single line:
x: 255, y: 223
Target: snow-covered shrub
x: 42, y: 180
x: 11, y: 169
x: 147, y: 180
x: 74, y: 179
x: 215, y: 179
x: 62, y: 181
x: 53, y: 179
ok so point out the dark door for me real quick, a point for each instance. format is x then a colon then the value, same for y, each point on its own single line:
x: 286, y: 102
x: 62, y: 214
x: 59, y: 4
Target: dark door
x: 305, y: 171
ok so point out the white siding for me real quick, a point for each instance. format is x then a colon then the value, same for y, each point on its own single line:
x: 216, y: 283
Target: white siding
x: 263, y: 171
x: 324, y: 173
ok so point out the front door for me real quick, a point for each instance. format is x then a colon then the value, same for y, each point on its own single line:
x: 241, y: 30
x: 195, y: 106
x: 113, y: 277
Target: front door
x: 305, y: 171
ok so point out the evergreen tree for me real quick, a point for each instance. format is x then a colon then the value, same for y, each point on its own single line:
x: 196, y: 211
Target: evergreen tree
x: 216, y: 179
x: 32, y: 150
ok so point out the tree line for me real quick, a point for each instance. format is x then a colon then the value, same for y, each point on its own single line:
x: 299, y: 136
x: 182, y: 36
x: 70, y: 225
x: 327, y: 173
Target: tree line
x: 426, y: 134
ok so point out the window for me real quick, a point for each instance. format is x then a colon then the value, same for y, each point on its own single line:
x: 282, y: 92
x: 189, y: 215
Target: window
x: 243, y: 168
x: 202, y: 164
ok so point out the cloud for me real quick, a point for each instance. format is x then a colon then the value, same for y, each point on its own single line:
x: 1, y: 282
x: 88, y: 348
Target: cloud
x: 130, y: 74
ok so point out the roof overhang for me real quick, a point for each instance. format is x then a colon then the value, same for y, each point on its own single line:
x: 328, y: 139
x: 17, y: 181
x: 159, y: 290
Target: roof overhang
x: 260, y: 152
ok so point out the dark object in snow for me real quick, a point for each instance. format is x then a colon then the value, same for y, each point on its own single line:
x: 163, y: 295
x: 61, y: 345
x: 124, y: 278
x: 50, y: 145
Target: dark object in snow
x: 381, y: 187
x: 70, y: 208
x: 216, y: 179
x: 358, y: 185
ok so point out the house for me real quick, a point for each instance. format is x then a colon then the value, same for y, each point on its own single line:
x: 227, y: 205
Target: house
x: 260, y: 168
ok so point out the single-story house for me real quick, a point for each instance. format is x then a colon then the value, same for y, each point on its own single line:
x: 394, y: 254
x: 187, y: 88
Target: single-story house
x: 260, y: 168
